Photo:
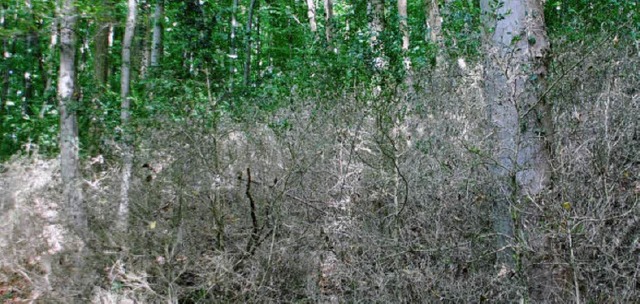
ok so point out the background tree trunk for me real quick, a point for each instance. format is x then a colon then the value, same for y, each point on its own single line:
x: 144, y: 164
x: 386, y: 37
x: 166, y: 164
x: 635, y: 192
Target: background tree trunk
x: 376, y: 26
x: 247, y: 64
x: 328, y: 22
x: 311, y: 14
x: 233, y: 49
x: 101, y: 50
x: 125, y: 82
x: 156, y: 43
x: 404, y: 29
x: 434, y: 29
x: 67, y: 95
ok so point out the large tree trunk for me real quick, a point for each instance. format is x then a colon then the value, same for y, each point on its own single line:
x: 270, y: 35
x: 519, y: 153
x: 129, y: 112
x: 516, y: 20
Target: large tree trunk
x: 67, y: 94
x: 247, y: 63
x: 125, y: 82
x: 156, y: 42
x: 517, y: 48
x: 311, y: 13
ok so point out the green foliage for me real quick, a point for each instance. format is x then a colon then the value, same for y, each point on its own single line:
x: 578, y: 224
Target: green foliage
x: 576, y: 20
x: 199, y: 80
x: 461, y: 26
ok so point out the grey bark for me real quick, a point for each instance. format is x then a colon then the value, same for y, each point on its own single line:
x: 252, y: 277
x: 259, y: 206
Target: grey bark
x: 434, y: 29
x: 67, y: 93
x: 4, y: 90
x: 404, y: 27
x: 156, y: 42
x: 328, y: 21
x: 247, y: 64
x: 232, y: 44
x: 517, y: 48
x: 125, y: 82
x: 376, y: 26
x: 311, y: 14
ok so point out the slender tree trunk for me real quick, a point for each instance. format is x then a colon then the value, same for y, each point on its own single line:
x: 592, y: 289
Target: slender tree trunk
x: 100, y: 74
x: 328, y: 22
x: 232, y: 45
x: 125, y: 82
x: 258, y: 51
x: 376, y: 26
x: 404, y: 29
x: 101, y: 52
x: 515, y: 69
x: 247, y: 64
x: 49, y: 65
x: 156, y: 43
x: 311, y: 13
x: 143, y: 50
x: 67, y: 93
x: 35, y: 57
x: 4, y: 89
x: 434, y: 29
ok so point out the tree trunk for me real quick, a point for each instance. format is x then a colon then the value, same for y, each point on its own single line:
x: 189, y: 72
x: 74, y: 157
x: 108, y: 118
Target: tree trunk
x: 232, y: 45
x: 101, y: 53
x: 101, y: 76
x: 516, y: 65
x: 142, y: 50
x: 6, y: 77
x: 125, y: 82
x: 50, y: 66
x: 247, y: 63
x: 404, y: 29
x: 34, y: 56
x: 434, y: 29
x: 311, y: 13
x: 328, y: 22
x: 156, y: 43
x: 67, y: 96
x: 375, y: 10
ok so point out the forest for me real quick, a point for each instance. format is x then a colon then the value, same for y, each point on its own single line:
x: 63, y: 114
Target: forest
x: 319, y: 151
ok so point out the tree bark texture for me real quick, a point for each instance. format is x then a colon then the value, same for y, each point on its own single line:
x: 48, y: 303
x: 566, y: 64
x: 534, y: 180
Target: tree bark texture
x: 247, y: 64
x: 376, y: 27
x: 67, y: 96
x: 311, y: 14
x: 156, y: 42
x: 233, y: 49
x: 328, y: 22
x: 404, y: 27
x: 125, y: 116
x: 101, y: 53
x: 434, y: 29
x: 516, y: 65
